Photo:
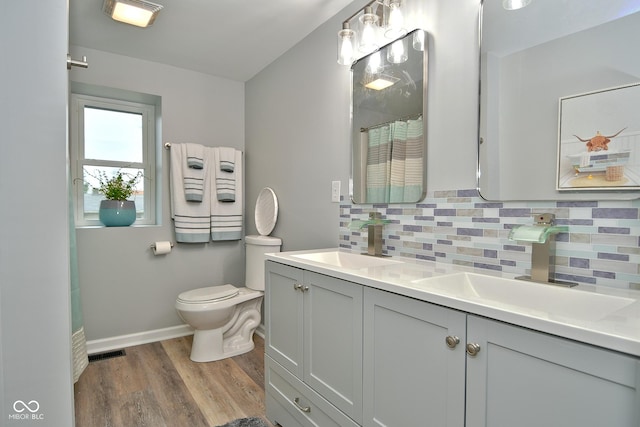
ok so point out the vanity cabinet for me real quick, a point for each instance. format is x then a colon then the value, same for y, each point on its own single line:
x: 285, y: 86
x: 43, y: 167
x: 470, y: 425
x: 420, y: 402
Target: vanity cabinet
x: 413, y: 362
x: 530, y: 379
x: 342, y: 354
x: 313, y: 362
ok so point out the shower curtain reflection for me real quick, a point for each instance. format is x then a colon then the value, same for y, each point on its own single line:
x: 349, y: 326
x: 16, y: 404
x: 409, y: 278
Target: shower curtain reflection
x: 78, y: 341
x: 394, y: 162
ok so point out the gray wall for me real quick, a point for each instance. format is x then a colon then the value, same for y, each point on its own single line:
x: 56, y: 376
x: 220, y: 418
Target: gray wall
x: 35, y: 324
x: 297, y: 114
x: 124, y: 288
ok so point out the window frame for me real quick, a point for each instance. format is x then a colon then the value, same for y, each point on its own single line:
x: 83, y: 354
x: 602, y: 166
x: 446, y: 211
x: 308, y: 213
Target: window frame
x: 78, y: 160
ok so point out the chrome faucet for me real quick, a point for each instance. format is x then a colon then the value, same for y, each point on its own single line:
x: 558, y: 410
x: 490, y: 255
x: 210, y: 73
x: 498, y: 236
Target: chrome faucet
x: 541, y: 235
x: 374, y: 229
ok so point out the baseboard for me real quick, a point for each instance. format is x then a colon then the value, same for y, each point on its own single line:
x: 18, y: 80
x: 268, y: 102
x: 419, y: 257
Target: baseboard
x: 260, y: 331
x: 123, y: 341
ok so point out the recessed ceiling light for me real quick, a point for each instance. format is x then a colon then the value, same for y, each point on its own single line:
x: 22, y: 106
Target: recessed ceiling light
x: 140, y: 13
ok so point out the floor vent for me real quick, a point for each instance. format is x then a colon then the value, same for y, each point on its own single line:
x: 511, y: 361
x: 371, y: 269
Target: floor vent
x: 106, y: 355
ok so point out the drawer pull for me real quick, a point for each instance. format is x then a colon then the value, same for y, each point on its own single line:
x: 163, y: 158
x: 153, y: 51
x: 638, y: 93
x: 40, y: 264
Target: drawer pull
x: 452, y: 341
x: 296, y: 402
x: 473, y: 349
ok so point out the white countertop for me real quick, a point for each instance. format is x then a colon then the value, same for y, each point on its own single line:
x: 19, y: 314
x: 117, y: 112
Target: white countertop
x: 617, y: 329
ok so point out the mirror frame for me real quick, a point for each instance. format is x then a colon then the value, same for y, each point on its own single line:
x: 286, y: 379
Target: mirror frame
x: 356, y: 157
x: 486, y: 189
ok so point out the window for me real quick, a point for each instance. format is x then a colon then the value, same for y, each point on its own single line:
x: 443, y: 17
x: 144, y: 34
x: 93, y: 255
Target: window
x: 108, y: 136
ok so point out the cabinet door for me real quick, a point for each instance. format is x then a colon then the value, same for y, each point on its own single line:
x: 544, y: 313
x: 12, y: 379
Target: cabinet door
x: 333, y: 341
x: 529, y: 379
x: 284, y: 316
x: 411, y: 376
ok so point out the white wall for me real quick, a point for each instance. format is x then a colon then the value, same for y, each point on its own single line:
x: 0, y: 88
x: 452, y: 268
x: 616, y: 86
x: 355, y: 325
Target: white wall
x: 297, y: 114
x: 35, y: 316
x: 124, y: 288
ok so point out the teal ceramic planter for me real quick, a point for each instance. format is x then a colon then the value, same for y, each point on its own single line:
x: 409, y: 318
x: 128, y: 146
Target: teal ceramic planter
x: 117, y: 213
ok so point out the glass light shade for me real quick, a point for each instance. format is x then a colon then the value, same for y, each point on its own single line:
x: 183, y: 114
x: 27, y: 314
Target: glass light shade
x: 346, y: 39
x: 419, y: 40
x: 398, y: 52
x: 374, y: 64
x: 395, y: 22
x: 368, y: 34
x: 515, y: 4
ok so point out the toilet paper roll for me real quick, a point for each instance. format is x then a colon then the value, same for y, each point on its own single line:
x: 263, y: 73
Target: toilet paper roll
x: 161, y: 248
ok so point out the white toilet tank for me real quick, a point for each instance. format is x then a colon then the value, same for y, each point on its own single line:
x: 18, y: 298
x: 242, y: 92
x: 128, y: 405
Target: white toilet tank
x: 257, y: 246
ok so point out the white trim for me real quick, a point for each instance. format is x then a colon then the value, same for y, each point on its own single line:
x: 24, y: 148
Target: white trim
x: 122, y: 341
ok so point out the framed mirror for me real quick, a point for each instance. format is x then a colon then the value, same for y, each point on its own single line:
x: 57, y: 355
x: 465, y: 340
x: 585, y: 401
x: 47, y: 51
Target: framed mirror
x: 538, y: 61
x: 388, y: 137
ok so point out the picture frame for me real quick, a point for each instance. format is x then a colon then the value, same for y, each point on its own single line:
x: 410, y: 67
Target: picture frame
x: 599, y: 140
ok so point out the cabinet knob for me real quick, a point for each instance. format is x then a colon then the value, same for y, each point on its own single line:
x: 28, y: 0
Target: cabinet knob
x: 473, y: 349
x: 297, y: 287
x: 452, y: 341
x: 296, y: 402
x: 305, y: 288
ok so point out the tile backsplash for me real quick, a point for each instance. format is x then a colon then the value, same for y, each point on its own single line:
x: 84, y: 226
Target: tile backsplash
x: 601, y: 247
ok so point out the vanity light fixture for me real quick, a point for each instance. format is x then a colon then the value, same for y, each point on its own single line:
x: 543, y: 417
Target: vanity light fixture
x: 515, y: 4
x: 368, y: 34
x: 346, y: 40
x: 141, y: 13
x: 386, y: 18
x: 395, y: 22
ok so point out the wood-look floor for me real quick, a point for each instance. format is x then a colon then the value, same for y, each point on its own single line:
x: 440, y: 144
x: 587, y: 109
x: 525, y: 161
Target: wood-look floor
x: 158, y: 385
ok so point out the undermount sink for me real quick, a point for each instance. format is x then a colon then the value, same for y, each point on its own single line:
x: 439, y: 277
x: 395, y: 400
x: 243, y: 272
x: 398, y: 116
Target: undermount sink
x: 525, y: 297
x: 346, y: 259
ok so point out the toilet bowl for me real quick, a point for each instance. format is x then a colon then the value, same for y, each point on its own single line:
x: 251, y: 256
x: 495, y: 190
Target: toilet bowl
x: 225, y: 317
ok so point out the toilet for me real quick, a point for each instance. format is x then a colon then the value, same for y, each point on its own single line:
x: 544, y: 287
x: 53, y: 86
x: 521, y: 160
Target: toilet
x: 225, y: 317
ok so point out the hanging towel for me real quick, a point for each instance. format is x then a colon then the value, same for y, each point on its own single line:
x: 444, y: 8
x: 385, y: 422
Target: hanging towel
x: 191, y: 220
x: 226, y: 218
x: 414, y: 163
x: 225, y: 176
x: 227, y: 159
x: 195, y: 156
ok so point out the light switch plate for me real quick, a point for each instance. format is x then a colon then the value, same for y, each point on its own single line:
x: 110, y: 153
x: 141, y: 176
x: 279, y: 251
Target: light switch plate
x: 335, y: 191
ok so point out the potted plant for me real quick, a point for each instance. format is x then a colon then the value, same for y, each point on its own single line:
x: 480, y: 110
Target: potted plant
x: 116, y: 210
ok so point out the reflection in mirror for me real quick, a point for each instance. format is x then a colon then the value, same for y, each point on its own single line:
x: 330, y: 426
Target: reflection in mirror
x: 531, y: 59
x: 388, y: 131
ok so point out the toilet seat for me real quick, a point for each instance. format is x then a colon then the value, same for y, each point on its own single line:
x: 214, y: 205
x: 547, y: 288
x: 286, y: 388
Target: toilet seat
x: 209, y: 294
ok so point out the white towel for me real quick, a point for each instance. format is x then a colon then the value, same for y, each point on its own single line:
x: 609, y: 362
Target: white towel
x: 191, y: 220
x: 226, y: 218
x: 227, y: 159
x: 195, y: 156
x: 225, y: 181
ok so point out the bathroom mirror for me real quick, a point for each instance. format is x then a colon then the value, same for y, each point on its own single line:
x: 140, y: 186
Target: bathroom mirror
x: 388, y: 134
x: 532, y: 59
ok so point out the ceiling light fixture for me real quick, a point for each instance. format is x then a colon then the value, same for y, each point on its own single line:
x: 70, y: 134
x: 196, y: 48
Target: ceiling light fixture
x: 140, y: 13
x: 382, y: 82
x: 515, y: 4
x: 371, y: 25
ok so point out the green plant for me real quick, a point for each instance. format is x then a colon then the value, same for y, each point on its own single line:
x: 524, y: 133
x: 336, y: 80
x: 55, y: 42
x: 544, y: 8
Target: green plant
x: 118, y: 187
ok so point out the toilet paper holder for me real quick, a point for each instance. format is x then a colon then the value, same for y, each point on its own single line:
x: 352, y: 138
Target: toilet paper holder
x: 153, y: 245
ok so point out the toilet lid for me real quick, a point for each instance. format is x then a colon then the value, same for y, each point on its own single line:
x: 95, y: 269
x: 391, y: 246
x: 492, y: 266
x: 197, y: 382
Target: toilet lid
x: 266, y: 213
x: 212, y: 293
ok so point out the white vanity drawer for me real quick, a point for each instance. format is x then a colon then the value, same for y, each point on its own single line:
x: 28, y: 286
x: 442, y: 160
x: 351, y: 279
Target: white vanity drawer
x: 303, y: 404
